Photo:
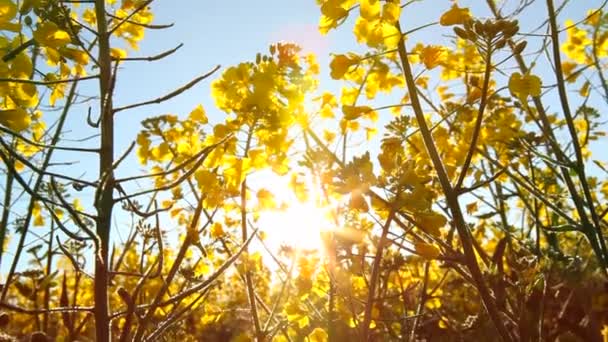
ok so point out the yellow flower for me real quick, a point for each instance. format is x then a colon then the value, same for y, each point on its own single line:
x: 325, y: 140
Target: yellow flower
x: 13, y: 27
x: 37, y: 213
x: 355, y: 112
x: 376, y: 32
x: 89, y: 17
x: 217, y: 230
x: 568, y: 68
x: 49, y: 34
x: 328, y: 135
x: 16, y: 119
x: 340, y: 65
x: 455, y: 16
x: 576, y: 43
x: 318, y: 335
x: 76, y: 55
x: 432, y: 56
x: 431, y: 222
x: 593, y: 17
x: 426, y: 250
x: 199, y: 115
x: 333, y: 11
x: 524, y: 86
x: 370, y: 9
x: 8, y: 10
x: 391, y: 12
x: 266, y: 199
x: 117, y: 53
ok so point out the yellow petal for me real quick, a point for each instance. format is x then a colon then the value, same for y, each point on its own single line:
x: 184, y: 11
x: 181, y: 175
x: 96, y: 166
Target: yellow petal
x: 524, y: 86
x: 8, y: 10
x: 16, y: 119
x: 266, y: 199
x: 117, y: 53
x: 340, y: 65
x: 198, y: 115
x: 49, y: 34
x: 354, y: 112
x: 391, y: 12
x: 455, y: 16
x: 318, y: 335
x: 370, y: 9
x: 217, y: 230
x: 390, y: 35
x: 432, y: 56
x: 426, y: 250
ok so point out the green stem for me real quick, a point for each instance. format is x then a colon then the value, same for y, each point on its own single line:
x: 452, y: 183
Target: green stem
x: 478, y: 120
x: 104, y: 201
x: 6, y: 209
x: 373, y: 282
x: 248, y: 279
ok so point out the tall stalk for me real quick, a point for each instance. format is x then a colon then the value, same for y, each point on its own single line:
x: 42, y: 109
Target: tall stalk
x: 104, y: 202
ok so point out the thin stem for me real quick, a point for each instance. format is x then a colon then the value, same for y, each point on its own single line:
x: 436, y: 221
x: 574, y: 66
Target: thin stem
x: 373, y: 282
x: 103, y: 198
x: 478, y: 120
x: 6, y: 209
x: 421, y: 301
x: 248, y: 280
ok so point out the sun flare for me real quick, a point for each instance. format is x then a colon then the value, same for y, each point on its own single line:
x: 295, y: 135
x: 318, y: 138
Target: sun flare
x: 298, y: 224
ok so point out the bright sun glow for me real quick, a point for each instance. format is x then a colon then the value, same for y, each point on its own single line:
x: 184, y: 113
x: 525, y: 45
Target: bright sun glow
x: 299, y: 225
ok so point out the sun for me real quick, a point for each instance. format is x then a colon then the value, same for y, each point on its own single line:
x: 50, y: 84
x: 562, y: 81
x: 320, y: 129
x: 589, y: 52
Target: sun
x: 298, y: 224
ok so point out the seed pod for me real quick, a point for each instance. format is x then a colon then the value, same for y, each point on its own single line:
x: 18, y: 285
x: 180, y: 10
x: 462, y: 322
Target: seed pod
x: 501, y: 43
x: 520, y: 47
x: 461, y: 33
x: 492, y: 28
x: 468, y: 25
x: 502, y: 24
x: 511, y: 31
x: 479, y: 29
x: 488, y: 27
